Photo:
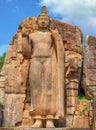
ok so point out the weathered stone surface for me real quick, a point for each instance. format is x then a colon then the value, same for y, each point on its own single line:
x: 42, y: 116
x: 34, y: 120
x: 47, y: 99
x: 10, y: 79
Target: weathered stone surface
x: 71, y: 101
x: 94, y: 113
x: 89, y: 67
x: 2, y: 94
x: 42, y: 128
x: 13, y: 109
x: 69, y: 120
x: 29, y: 128
x: 15, y: 69
x: 2, y: 88
x: 81, y: 115
x: 27, y: 122
x: 81, y: 121
x: 72, y: 85
x: 70, y: 110
x: 69, y: 93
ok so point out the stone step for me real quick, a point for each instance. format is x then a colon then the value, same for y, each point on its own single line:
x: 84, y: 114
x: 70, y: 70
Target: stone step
x: 20, y: 128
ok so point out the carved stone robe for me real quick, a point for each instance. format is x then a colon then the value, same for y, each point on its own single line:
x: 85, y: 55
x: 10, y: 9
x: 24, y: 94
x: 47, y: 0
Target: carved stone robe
x: 55, y: 104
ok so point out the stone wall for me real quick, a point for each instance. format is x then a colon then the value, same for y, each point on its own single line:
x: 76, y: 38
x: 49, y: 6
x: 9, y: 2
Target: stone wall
x: 81, y: 115
x: 89, y: 67
x: 14, y: 73
x: 13, y: 77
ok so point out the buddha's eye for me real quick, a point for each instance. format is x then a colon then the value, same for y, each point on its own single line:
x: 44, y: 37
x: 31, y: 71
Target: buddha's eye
x: 42, y: 18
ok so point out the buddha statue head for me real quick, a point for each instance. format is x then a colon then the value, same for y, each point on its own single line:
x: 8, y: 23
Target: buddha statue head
x: 43, y: 20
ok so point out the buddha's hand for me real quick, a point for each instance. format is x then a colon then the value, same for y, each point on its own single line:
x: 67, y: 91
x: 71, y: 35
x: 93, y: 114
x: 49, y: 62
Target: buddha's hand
x: 55, y: 34
x: 24, y: 32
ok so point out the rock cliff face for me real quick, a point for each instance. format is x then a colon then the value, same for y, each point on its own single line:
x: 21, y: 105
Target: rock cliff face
x: 14, y: 89
x: 89, y: 67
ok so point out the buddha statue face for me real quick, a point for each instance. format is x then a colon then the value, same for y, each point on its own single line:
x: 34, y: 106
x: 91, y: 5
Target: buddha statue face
x: 43, y: 22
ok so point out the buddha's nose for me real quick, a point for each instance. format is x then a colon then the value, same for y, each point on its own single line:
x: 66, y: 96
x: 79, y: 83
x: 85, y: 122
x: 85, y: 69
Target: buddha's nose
x: 43, y: 22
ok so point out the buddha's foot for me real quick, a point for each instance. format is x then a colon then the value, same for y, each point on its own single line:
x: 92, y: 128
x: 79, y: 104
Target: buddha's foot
x: 37, y: 124
x: 49, y: 124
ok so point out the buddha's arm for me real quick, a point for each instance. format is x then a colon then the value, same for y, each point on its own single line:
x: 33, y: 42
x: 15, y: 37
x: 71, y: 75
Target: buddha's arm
x: 60, y: 72
x: 57, y: 40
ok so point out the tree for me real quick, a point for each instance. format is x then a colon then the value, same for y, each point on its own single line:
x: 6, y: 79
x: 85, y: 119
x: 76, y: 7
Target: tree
x: 2, y: 60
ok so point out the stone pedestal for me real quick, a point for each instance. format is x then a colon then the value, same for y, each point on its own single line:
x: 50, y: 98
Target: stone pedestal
x: 66, y: 128
x: 42, y: 128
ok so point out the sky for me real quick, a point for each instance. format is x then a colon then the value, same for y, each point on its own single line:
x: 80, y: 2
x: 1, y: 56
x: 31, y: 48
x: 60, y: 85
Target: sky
x: 81, y: 13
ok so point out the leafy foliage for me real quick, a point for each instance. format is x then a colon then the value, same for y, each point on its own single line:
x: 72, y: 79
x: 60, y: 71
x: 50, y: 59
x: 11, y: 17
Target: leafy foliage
x: 2, y: 60
x: 2, y: 103
x: 82, y: 98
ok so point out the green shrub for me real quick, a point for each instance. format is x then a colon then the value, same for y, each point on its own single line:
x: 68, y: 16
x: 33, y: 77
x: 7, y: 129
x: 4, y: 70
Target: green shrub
x: 2, y: 60
x: 82, y: 98
x: 2, y: 103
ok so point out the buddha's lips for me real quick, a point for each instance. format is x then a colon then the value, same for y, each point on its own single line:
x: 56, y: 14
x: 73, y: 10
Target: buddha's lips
x: 43, y: 24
